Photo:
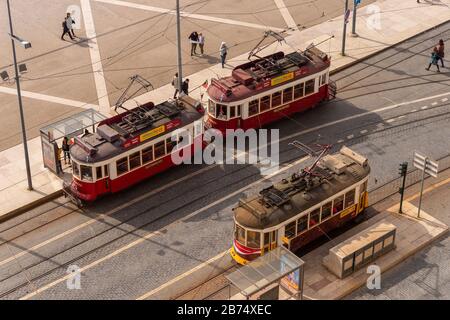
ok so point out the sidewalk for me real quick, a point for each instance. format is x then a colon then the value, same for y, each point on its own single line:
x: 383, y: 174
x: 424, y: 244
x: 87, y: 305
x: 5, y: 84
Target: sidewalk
x: 399, y: 20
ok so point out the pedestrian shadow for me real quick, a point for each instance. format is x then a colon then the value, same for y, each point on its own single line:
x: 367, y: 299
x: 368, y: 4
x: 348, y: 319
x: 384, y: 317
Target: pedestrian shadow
x: 435, y: 3
x: 210, y: 59
x: 83, y: 42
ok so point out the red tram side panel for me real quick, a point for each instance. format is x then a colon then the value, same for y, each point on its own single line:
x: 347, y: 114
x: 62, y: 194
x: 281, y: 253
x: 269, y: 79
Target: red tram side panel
x: 269, y: 89
x: 133, y: 146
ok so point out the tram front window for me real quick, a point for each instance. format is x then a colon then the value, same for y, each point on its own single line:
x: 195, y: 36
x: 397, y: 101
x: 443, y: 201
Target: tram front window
x: 75, y: 169
x: 86, y: 173
x: 253, y: 239
x: 221, y: 111
x: 240, y: 235
x: 211, y: 107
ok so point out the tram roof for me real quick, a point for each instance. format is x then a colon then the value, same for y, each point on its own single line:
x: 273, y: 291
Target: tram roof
x: 290, y: 197
x: 261, y: 75
x: 135, y: 127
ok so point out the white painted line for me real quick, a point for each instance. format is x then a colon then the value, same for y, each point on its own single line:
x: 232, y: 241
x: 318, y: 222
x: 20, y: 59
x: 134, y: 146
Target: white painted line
x: 390, y: 120
x: 400, y: 117
x: 188, y: 15
x: 363, y: 131
x: 424, y: 107
x: 413, y: 110
x: 97, y: 68
x: 340, y: 141
x: 434, y: 103
x: 444, y: 100
x: 290, y: 22
x: 152, y: 234
x: 183, y: 275
x: 351, y: 136
x: 47, y: 98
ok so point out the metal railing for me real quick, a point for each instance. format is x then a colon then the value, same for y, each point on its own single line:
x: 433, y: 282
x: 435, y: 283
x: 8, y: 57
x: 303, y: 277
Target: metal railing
x: 391, y: 187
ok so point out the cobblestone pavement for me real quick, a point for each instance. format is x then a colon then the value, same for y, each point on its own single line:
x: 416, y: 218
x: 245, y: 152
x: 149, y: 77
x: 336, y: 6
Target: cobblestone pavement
x: 132, y: 248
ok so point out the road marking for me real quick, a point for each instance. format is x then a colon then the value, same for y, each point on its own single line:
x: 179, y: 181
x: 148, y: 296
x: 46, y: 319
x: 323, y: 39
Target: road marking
x: 434, y: 103
x: 152, y: 234
x: 444, y: 100
x: 188, y: 15
x: 430, y: 188
x: 351, y: 136
x: 363, y: 131
x: 390, y: 120
x: 47, y: 98
x: 183, y: 275
x: 424, y: 107
x: 340, y: 141
x: 413, y: 110
x: 290, y: 22
x: 97, y: 68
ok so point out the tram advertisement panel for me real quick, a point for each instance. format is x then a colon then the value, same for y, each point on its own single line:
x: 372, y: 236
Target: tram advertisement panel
x: 49, y: 154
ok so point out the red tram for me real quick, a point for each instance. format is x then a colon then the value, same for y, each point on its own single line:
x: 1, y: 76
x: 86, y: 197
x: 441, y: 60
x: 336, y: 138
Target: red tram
x: 268, y: 89
x: 131, y: 147
x: 305, y: 206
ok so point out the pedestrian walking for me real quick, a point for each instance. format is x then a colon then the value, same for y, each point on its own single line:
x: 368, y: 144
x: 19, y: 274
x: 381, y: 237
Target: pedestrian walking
x: 66, y: 149
x: 59, y: 168
x: 223, y: 52
x: 176, y: 85
x: 440, y: 50
x: 185, y: 87
x: 194, y: 41
x: 434, y: 59
x: 68, y: 27
x: 201, y: 42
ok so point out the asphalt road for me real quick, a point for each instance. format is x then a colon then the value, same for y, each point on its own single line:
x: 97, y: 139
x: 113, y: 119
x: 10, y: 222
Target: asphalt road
x: 163, y: 227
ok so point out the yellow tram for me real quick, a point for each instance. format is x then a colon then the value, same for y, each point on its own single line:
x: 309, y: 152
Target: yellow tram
x: 299, y: 209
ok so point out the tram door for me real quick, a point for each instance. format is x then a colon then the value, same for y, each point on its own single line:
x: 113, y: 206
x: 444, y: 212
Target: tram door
x: 270, y: 241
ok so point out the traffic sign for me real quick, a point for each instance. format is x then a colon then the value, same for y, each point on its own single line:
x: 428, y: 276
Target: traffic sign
x: 422, y: 163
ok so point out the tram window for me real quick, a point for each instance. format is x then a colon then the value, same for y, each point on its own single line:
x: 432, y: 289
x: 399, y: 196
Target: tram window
x: 309, y: 87
x: 147, y: 154
x: 135, y: 160
x: 239, y: 107
x: 338, y: 204
x: 265, y: 103
x: 86, y: 173
x: 240, y: 234
x: 106, y: 170
x: 253, y: 239
x: 232, y: 111
x: 326, y: 210
x: 276, y: 99
x: 75, y: 169
x: 160, y: 149
x: 350, y: 198
x: 122, y: 166
x: 289, y: 230
x: 314, y: 218
x: 98, y: 171
x: 211, y: 107
x: 302, y: 224
x: 363, y: 188
x: 287, y: 95
x: 221, y: 111
x: 299, y: 90
x: 323, y: 79
x: 170, y: 144
x: 266, y: 239
x: 253, y: 107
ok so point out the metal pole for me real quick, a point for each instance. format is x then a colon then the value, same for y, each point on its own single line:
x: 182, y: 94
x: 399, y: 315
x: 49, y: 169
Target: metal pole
x: 354, y: 19
x: 421, y: 188
x: 180, y: 71
x: 345, y: 29
x: 401, y: 195
x: 19, y: 96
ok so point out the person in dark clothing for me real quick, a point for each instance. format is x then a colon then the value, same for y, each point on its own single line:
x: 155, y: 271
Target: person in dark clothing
x: 434, y: 59
x: 66, y: 149
x: 440, y: 52
x: 67, y: 27
x: 185, y: 87
x: 194, y: 40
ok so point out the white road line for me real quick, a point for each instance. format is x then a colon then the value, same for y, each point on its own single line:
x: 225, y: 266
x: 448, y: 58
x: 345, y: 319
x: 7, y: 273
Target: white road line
x: 413, y: 110
x: 47, y: 98
x: 434, y: 103
x: 363, y: 131
x: 424, y: 107
x: 152, y: 234
x: 340, y: 141
x: 390, y: 120
x: 351, y: 136
x: 188, y: 15
x: 290, y: 22
x: 97, y: 68
x: 183, y: 275
x: 444, y: 100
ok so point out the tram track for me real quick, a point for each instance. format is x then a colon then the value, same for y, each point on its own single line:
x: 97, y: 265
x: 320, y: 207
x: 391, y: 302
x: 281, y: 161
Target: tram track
x: 242, y: 167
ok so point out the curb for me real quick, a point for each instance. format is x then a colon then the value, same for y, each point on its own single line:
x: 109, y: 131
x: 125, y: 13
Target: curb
x: 31, y: 205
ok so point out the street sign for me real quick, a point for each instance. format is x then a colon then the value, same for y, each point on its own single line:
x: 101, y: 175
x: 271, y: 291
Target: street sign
x: 422, y: 163
x: 428, y: 166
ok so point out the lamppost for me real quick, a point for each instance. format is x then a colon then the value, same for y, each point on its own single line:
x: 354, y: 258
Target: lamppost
x: 180, y: 70
x: 26, y: 45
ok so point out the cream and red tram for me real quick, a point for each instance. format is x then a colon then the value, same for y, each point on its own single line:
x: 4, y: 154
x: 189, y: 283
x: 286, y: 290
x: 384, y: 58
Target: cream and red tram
x: 302, y: 208
x: 270, y: 88
x: 131, y: 147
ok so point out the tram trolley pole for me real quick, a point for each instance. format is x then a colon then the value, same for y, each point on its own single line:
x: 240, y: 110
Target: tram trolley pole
x: 403, y: 172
